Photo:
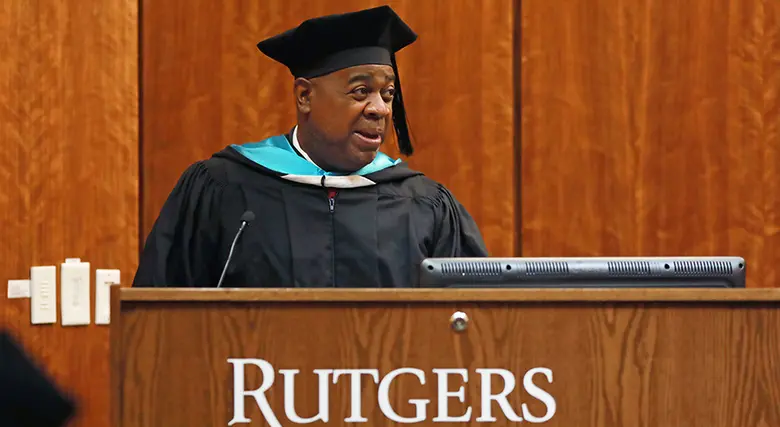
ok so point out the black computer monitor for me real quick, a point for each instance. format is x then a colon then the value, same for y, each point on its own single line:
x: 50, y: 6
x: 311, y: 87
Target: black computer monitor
x: 596, y: 272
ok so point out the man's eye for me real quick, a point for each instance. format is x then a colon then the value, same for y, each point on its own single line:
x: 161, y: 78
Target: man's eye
x: 361, y: 91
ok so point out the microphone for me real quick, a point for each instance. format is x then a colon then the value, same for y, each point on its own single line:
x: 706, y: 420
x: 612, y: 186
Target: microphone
x: 246, y: 218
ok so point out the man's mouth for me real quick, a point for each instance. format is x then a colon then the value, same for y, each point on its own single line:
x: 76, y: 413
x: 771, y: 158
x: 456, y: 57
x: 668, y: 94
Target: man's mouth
x: 372, y: 137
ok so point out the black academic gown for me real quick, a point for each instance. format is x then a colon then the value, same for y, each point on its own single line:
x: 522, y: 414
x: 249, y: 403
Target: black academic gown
x: 305, y: 234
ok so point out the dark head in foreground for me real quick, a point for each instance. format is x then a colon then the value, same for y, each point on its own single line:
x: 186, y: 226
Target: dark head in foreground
x: 28, y: 396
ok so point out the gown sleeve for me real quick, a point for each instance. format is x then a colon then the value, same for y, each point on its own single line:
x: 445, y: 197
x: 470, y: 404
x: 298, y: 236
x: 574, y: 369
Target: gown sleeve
x: 182, y: 246
x: 457, y: 234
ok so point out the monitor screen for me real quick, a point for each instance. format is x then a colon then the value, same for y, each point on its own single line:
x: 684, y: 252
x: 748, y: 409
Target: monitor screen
x: 596, y: 272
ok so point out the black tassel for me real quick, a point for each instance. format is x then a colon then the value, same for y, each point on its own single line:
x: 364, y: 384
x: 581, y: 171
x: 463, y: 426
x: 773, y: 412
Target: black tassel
x: 399, y: 116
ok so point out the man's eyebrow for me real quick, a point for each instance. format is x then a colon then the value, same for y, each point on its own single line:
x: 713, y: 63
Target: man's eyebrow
x: 365, y: 77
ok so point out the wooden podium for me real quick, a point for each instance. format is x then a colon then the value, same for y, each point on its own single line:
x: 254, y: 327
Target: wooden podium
x: 623, y: 358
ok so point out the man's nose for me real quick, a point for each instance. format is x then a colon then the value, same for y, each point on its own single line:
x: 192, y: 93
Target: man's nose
x: 377, y: 107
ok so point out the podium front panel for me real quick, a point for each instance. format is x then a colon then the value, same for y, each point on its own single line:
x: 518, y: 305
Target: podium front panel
x: 577, y: 362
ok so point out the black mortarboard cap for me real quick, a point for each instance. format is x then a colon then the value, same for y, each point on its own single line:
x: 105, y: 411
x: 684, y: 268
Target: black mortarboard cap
x: 28, y: 397
x: 322, y: 45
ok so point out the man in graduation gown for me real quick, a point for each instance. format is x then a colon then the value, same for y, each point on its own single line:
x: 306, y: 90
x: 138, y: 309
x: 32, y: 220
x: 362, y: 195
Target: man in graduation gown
x: 330, y: 209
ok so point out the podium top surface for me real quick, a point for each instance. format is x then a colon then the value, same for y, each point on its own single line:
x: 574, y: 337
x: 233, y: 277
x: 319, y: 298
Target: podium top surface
x: 437, y: 295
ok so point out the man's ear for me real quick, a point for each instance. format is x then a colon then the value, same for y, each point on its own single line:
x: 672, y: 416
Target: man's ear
x: 303, y: 90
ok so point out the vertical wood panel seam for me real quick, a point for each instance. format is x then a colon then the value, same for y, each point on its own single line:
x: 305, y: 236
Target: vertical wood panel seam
x: 139, y: 90
x: 517, y: 123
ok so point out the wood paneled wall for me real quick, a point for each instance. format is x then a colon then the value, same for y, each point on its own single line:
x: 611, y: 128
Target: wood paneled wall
x: 651, y: 128
x: 68, y: 169
x: 205, y: 86
x: 646, y: 128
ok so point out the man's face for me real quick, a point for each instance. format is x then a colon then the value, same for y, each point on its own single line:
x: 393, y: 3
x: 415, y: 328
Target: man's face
x: 348, y: 115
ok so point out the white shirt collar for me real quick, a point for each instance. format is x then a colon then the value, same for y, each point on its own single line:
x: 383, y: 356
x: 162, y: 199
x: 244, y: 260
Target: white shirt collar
x: 297, y: 146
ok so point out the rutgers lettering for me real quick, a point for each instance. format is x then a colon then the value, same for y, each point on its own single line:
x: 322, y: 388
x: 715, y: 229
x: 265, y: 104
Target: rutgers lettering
x: 326, y: 377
